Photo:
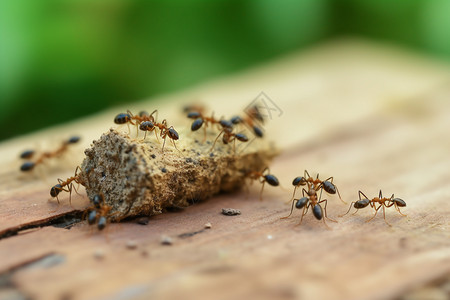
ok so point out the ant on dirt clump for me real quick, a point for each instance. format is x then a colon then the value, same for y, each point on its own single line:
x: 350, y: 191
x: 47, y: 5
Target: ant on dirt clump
x: 318, y: 184
x: 228, y: 136
x: 263, y: 177
x: 308, y: 200
x: 99, y: 212
x: 128, y: 118
x: 67, y: 185
x: 383, y: 202
x: 28, y: 154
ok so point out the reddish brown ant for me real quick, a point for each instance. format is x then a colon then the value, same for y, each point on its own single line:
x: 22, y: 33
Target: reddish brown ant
x: 364, y: 202
x: 263, y: 177
x: 200, y: 120
x: 167, y: 132
x: 128, y: 118
x: 66, y: 185
x: 326, y: 184
x: 30, y: 165
x: 253, y: 120
x: 99, y: 213
x: 228, y: 136
x: 308, y: 200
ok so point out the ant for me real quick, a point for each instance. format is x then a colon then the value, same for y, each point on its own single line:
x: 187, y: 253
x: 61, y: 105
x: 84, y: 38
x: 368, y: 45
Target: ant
x: 128, y: 118
x: 326, y: 185
x: 228, y: 136
x: 200, y: 119
x: 308, y: 200
x: 253, y: 117
x: 364, y: 202
x: 167, y: 132
x: 66, y: 185
x: 99, y: 212
x: 28, y: 154
x: 263, y: 177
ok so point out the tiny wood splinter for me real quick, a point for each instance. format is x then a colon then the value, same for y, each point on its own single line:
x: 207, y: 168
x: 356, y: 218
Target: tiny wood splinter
x: 383, y: 202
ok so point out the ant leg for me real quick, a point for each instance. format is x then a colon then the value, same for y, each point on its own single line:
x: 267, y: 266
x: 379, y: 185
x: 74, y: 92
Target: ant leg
x: 340, y: 216
x: 398, y: 209
x: 262, y: 188
x: 164, y: 144
x: 376, y: 211
x: 215, y: 141
x: 304, y: 213
x: 292, y: 209
x: 173, y: 142
x: 384, y: 215
x: 145, y: 135
x: 204, y: 134
x: 293, y: 194
x: 325, y: 210
x: 157, y: 139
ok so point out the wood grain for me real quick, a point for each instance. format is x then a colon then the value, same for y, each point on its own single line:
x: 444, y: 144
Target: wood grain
x: 372, y: 117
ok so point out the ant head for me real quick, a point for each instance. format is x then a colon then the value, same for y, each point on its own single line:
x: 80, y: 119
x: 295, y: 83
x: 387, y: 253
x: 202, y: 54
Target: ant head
x: 241, y: 137
x: 27, y: 154
x: 27, y: 166
x: 236, y: 120
x: 97, y: 200
x: 143, y: 113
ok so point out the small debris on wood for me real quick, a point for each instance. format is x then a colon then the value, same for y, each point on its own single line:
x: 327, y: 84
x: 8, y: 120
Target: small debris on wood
x: 230, y: 212
x: 99, y: 254
x: 208, y: 225
x: 131, y: 245
x: 143, y: 220
x: 166, y: 240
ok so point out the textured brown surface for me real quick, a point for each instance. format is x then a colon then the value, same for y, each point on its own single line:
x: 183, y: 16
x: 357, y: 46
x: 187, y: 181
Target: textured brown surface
x: 137, y: 178
x: 372, y: 118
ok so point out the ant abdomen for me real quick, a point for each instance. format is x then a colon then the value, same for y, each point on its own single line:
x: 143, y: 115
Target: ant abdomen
x: 318, y: 212
x: 92, y: 217
x: 236, y: 120
x: 329, y: 187
x: 226, y: 124
x: 101, y: 223
x: 272, y: 180
x: 73, y: 140
x: 361, y: 203
x: 194, y: 115
x: 299, y: 181
x: 27, y: 154
x: 173, y: 134
x: 399, y: 202
x: 55, y: 190
x: 301, y: 202
x: 197, y: 124
x: 122, y: 118
x: 27, y: 166
x: 241, y: 137
x: 258, y: 132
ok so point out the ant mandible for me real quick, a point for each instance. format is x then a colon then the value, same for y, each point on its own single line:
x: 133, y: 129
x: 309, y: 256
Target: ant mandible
x: 326, y: 184
x: 263, y: 177
x: 66, y: 186
x: 308, y: 200
x: 364, y: 202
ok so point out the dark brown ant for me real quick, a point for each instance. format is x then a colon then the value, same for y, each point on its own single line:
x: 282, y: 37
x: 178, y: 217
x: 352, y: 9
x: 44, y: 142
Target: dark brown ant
x: 263, y: 177
x: 30, y: 165
x: 167, y: 132
x: 308, y: 200
x: 66, y: 185
x: 326, y: 184
x: 99, y: 213
x: 228, y: 136
x: 383, y: 202
x: 128, y: 118
x: 200, y: 120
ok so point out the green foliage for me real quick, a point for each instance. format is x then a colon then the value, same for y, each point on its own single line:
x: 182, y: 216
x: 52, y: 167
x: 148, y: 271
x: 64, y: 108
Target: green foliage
x: 61, y: 59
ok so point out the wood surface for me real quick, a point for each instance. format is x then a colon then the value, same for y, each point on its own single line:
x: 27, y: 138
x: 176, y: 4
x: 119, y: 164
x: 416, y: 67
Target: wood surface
x: 373, y: 117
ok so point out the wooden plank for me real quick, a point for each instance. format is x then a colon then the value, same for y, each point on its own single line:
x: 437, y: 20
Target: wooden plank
x: 368, y: 116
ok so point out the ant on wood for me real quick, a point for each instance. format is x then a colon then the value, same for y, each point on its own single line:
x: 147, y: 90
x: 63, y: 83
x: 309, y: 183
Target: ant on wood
x: 163, y: 129
x: 128, y: 118
x: 28, y: 154
x: 99, y: 212
x: 326, y: 185
x: 66, y: 186
x: 383, y: 202
x: 308, y: 200
x: 228, y: 136
x: 263, y: 177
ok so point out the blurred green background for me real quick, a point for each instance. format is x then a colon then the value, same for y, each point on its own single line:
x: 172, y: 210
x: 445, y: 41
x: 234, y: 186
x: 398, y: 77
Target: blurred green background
x: 62, y: 59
